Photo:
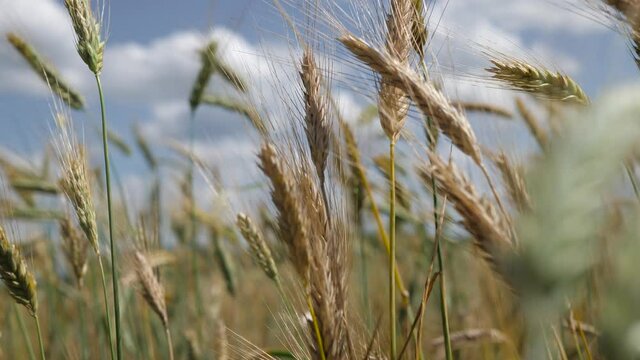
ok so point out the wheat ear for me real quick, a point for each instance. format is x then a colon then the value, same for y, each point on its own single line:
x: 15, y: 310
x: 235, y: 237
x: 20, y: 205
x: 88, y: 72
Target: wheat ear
x: 47, y: 72
x: 258, y: 246
x: 87, y: 28
x: 513, y: 179
x: 392, y: 100
x: 292, y: 224
x: 15, y: 275
x: 479, y: 217
x: 542, y: 82
x: 153, y: 293
x: 19, y: 281
x: 429, y: 99
x: 204, y: 74
x: 316, y: 125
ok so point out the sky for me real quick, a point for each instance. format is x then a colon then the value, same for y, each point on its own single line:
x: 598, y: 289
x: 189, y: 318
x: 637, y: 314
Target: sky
x: 151, y: 61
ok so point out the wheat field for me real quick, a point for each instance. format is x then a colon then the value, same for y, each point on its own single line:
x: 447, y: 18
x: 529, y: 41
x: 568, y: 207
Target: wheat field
x: 417, y: 224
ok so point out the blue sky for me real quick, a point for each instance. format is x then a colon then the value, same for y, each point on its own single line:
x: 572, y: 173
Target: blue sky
x: 151, y: 61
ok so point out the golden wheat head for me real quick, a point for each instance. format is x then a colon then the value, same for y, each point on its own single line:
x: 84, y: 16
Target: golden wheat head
x: 15, y: 275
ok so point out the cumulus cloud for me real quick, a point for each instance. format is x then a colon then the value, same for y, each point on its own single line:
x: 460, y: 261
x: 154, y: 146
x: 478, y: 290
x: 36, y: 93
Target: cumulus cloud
x: 520, y: 15
x: 156, y: 76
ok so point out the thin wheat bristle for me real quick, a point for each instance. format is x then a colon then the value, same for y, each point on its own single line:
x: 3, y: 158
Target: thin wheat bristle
x: 536, y: 129
x: 429, y: 99
x: 316, y: 125
x: 15, y: 275
x: 89, y: 43
x: 482, y: 107
x: 392, y: 101
x: 541, y: 82
x: 258, y: 246
x: 47, y: 72
x: 479, y: 217
x: 75, y: 249
x: 292, y: 224
x: 151, y: 289
x: 513, y: 179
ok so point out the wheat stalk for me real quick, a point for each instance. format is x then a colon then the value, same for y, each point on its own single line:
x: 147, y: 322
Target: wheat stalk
x: 145, y: 148
x: 538, y: 132
x: 542, y: 82
x: 47, y: 72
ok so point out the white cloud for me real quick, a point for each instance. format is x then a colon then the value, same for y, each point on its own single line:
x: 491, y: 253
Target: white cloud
x: 157, y: 75
x: 519, y: 15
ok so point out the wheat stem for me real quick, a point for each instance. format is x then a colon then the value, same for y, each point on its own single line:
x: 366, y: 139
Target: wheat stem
x: 167, y: 333
x: 392, y: 252
x: 446, y: 332
x: 25, y: 335
x: 433, y: 139
x: 114, y: 265
x: 376, y: 212
x: 632, y: 178
x: 106, y: 306
x: 192, y: 217
x: 40, y: 342
x: 316, y: 329
x: 503, y: 210
x: 443, y: 289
